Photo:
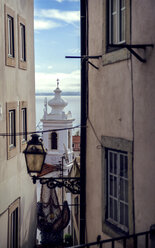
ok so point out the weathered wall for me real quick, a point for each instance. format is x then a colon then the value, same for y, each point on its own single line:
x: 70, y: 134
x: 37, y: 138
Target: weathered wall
x: 110, y: 112
x: 121, y: 104
x: 17, y: 85
x: 143, y: 24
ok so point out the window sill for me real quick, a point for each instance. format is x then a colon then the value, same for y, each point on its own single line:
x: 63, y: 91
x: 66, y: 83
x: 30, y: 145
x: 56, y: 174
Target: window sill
x: 22, y: 64
x: 121, y: 228
x: 12, y: 152
x: 112, y: 230
x: 115, y: 56
x: 10, y: 61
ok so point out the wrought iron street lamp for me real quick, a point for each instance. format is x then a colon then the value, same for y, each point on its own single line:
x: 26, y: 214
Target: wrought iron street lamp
x: 35, y: 156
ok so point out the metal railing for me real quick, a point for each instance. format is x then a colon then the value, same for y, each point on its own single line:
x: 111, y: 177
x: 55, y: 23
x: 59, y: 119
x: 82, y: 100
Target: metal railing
x: 126, y: 241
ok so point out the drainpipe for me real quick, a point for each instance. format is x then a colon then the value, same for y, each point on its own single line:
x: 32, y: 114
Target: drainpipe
x: 83, y: 10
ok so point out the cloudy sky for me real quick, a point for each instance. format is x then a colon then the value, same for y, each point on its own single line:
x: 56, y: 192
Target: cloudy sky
x: 57, y: 34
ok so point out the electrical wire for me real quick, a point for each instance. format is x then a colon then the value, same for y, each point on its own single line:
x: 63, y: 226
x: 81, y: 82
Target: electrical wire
x: 101, y: 145
x: 40, y: 131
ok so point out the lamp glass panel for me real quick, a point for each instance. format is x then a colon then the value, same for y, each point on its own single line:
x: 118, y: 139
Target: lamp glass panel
x: 34, y: 162
x: 35, y: 158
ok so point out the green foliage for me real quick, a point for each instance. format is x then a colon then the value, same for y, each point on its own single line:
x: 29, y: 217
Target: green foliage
x: 68, y: 240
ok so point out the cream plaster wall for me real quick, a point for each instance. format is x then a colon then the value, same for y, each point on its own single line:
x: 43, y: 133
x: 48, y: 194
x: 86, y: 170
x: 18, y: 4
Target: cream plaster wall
x: 143, y: 26
x: 112, y: 112
x: 17, y: 85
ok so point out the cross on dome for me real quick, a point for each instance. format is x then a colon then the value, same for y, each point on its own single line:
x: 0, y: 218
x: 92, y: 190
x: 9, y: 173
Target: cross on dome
x: 58, y: 81
x: 57, y: 103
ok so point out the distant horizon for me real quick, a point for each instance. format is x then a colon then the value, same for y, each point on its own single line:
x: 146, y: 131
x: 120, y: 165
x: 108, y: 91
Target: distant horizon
x: 67, y: 93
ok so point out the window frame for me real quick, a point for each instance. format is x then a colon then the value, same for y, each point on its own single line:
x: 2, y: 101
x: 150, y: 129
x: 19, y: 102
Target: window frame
x: 10, y: 59
x: 114, y: 195
x: 113, y: 55
x: 125, y: 146
x: 15, y: 206
x: 22, y: 60
x: 11, y: 150
x: 118, y: 11
x: 52, y: 141
x: 12, y: 128
x: 23, y: 141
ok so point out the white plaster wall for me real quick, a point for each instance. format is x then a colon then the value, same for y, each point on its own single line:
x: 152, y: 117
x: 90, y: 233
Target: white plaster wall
x: 17, y: 85
x: 54, y: 156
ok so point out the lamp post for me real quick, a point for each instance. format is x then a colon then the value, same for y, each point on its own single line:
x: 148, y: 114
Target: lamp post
x: 35, y: 154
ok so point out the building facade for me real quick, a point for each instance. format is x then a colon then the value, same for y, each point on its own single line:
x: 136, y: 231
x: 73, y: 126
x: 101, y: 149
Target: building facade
x: 58, y: 142
x: 17, y: 115
x: 120, y: 134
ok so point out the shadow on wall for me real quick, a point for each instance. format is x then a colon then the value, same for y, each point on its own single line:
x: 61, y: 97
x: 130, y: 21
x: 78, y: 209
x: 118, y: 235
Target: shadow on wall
x: 29, y: 237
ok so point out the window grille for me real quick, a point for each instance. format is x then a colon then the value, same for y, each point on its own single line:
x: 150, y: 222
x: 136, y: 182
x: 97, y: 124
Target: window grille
x: 116, y: 21
x: 117, y: 195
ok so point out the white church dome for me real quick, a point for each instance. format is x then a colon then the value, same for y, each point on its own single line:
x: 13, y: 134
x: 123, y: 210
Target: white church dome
x: 57, y: 104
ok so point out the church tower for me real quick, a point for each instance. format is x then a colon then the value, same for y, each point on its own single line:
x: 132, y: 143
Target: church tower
x: 57, y: 142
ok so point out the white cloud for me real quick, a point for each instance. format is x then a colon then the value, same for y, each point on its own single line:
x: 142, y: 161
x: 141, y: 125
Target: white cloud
x: 66, y: 16
x: 50, y: 67
x: 46, y: 82
x: 45, y: 24
x: 74, y: 51
x: 60, y: 1
x: 37, y: 66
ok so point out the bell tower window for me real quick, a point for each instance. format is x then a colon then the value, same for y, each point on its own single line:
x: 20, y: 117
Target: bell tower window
x: 54, y: 141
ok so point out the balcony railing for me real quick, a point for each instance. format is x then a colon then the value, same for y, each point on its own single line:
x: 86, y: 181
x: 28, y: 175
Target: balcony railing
x: 138, y: 240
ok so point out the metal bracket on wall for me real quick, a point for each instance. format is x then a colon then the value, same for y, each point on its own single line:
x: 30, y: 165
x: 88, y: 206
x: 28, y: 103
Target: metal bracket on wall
x: 70, y: 183
x: 86, y: 58
x: 130, y: 48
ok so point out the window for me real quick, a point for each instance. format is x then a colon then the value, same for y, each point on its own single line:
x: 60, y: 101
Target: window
x: 23, y: 124
x: 54, y: 141
x: 116, y: 30
x: 22, y: 42
x: 9, y: 36
x: 11, y: 129
x: 14, y: 224
x: 116, y: 21
x: 117, y: 201
x: 117, y: 189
